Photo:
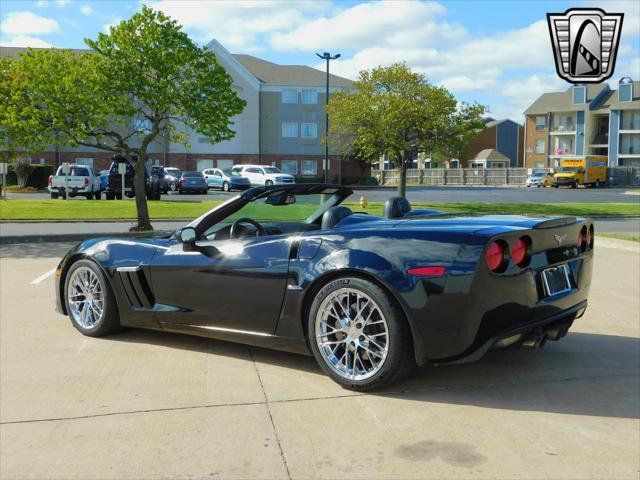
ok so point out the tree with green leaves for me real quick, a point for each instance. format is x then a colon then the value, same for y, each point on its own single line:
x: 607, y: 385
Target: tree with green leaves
x: 142, y: 82
x: 393, y: 110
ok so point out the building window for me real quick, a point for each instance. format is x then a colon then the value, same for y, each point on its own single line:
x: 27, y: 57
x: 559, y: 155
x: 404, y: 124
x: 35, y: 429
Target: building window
x: 579, y: 95
x: 289, y: 95
x: 309, y: 96
x: 630, y: 144
x: 540, y: 146
x: 541, y: 123
x: 563, y: 123
x: 308, y: 130
x: 625, y: 92
x: 289, y: 166
x: 309, y: 167
x: 563, y: 145
x: 630, y: 120
x: 539, y: 165
x: 289, y: 130
x: 85, y: 161
x: 224, y: 164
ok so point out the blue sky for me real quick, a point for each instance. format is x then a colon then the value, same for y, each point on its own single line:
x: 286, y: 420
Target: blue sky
x: 496, y: 52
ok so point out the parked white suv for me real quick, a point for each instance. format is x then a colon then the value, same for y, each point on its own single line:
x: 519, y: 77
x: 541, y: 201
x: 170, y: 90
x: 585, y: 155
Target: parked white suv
x: 264, y: 175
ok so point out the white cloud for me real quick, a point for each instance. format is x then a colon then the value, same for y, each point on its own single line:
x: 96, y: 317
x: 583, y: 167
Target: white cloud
x: 241, y: 26
x: 394, y: 24
x: 86, y: 10
x: 41, y: 3
x: 63, y: 3
x: 26, y: 23
x: 26, y: 41
x: 107, y: 26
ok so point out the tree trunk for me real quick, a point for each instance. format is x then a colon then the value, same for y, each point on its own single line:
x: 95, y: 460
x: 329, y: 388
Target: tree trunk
x: 402, y: 185
x: 144, y: 223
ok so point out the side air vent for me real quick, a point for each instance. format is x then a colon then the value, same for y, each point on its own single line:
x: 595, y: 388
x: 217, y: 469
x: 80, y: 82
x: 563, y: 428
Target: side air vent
x: 136, y: 287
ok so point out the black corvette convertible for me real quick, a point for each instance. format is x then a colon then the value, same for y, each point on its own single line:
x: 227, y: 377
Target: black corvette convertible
x: 288, y: 267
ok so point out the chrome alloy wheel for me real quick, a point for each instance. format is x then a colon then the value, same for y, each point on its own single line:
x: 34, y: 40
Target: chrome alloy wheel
x: 85, y: 297
x: 352, y: 334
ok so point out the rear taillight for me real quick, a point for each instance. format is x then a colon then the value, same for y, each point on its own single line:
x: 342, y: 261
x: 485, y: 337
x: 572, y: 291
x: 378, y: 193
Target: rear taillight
x: 582, y: 239
x: 49, y: 179
x: 86, y: 181
x: 590, y: 236
x: 494, y: 256
x: 520, y: 251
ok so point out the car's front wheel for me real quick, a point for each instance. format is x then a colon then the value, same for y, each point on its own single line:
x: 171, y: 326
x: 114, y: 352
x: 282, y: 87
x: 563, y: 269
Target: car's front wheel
x: 268, y: 182
x: 91, y: 304
x: 358, y: 335
x: 225, y: 187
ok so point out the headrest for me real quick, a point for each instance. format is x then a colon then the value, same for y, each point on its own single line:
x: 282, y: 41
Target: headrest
x: 396, y: 207
x: 332, y: 217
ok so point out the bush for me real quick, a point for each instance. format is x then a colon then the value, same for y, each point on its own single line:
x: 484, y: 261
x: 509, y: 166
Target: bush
x: 309, y: 179
x: 359, y: 181
x: 39, y: 177
x: 23, y: 168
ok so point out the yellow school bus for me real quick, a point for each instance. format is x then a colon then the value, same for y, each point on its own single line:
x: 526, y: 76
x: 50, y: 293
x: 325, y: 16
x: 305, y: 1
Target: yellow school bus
x: 588, y: 170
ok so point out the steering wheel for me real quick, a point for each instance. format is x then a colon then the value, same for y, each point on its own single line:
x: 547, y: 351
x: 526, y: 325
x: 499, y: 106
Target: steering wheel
x: 234, y: 227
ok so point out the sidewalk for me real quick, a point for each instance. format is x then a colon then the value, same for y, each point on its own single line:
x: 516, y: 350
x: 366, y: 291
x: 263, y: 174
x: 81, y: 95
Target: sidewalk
x: 24, y: 232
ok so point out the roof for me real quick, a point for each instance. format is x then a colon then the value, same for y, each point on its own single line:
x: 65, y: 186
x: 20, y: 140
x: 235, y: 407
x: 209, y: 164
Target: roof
x: 610, y: 100
x: 294, y: 75
x: 563, y: 101
x: 266, y: 72
x: 493, y: 123
x: 491, y: 154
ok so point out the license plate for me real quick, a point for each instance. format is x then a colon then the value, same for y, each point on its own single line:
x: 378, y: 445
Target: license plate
x: 556, y: 280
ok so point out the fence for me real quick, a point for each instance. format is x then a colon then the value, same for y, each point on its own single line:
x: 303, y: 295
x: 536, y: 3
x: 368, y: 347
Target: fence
x: 616, y: 176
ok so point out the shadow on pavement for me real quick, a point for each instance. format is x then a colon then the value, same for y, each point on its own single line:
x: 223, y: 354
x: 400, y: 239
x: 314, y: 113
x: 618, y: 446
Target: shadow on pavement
x: 584, y: 374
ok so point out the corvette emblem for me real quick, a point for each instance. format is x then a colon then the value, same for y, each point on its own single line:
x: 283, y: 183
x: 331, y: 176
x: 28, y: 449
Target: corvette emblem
x: 560, y: 238
x: 585, y: 43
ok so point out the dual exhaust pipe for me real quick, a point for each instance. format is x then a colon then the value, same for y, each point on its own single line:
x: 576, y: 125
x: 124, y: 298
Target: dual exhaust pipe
x: 538, y: 339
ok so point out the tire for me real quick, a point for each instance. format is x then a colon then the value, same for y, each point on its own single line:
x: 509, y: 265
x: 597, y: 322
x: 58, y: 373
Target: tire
x: 575, y: 184
x: 268, y: 182
x: 89, y: 196
x: 119, y: 196
x: 54, y: 196
x: 172, y: 186
x: 394, y: 354
x: 225, y: 187
x: 108, y: 320
x: 110, y: 196
x: 97, y: 195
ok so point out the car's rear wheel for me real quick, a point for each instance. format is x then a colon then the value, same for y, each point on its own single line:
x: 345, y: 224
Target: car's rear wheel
x: 225, y: 187
x: 97, y: 195
x: 358, y: 335
x: 54, y: 196
x: 91, y: 304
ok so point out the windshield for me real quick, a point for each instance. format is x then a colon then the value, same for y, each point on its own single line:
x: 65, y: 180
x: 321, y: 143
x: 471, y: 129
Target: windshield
x: 268, y: 170
x: 192, y: 174
x: 538, y: 175
x: 75, y: 171
x: 305, y: 210
x: 231, y: 173
x: 570, y: 169
x: 176, y: 172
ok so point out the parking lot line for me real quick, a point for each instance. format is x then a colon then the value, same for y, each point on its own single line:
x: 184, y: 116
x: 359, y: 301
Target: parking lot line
x: 43, y: 277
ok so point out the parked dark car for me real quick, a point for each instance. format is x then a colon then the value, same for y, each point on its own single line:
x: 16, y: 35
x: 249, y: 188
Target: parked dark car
x: 164, y: 178
x: 192, y: 182
x: 114, y: 187
x: 175, y: 174
x: 288, y: 267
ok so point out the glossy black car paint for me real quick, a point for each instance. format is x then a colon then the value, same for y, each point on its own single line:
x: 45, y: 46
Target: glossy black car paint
x: 257, y: 290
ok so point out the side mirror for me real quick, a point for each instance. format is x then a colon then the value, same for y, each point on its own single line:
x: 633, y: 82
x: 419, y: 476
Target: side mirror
x: 188, y: 235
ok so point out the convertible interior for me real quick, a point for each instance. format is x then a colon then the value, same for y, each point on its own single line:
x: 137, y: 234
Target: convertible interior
x: 328, y: 215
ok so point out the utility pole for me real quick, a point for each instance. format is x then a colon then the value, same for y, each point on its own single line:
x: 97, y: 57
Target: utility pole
x: 327, y: 56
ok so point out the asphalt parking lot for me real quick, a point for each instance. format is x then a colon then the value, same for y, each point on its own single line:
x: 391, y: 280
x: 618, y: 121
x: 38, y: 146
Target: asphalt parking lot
x: 442, y: 194
x: 145, y: 404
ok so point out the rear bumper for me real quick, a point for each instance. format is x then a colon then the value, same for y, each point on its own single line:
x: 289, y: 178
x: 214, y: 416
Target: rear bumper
x: 193, y: 188
x: 564, y: 317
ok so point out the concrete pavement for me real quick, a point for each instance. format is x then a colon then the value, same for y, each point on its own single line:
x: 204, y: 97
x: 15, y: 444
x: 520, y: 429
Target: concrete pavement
x: 143, y: 404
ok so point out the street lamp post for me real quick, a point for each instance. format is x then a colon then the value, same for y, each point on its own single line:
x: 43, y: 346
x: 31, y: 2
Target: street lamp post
x: 327, y: 56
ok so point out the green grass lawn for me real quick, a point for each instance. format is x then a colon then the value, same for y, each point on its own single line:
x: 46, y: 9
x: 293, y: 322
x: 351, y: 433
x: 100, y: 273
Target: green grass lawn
x: 620, y: 236
x: 125, y: 210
